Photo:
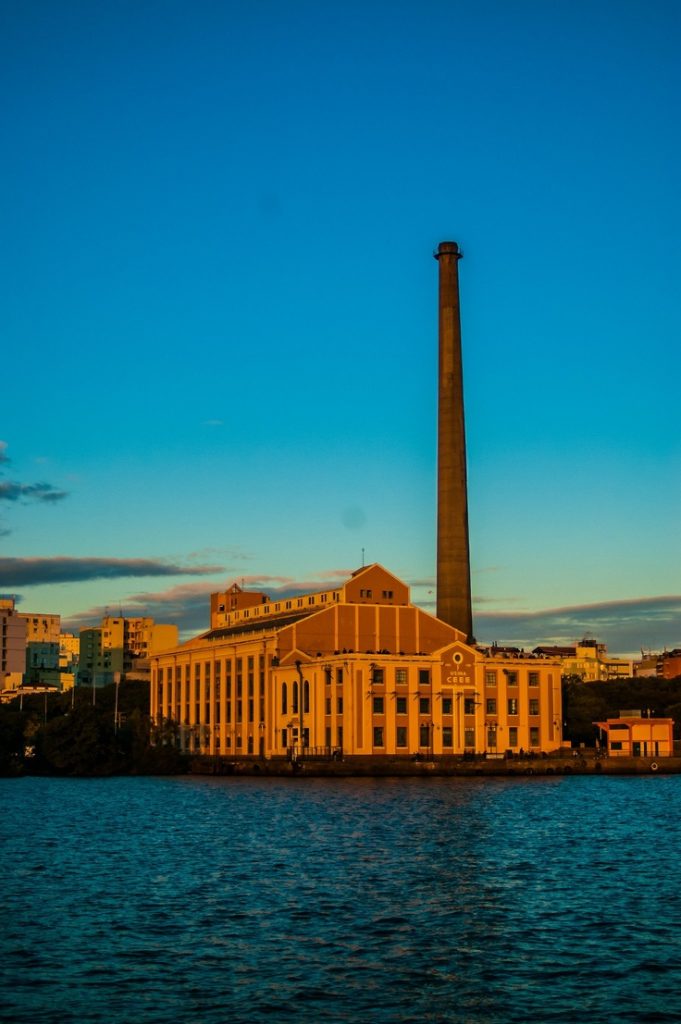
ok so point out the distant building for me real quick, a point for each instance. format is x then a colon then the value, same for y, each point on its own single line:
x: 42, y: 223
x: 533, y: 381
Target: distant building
x: 589, y: 661
x: 42, y: 648
x: 69, y: 654
x: 356, y: 670
x: 632, y: 735
x: 666, y: 665
x: 121, y: 646
x: 12, y: 646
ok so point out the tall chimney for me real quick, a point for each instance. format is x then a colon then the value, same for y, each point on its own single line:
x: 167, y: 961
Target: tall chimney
x: 453, y: 559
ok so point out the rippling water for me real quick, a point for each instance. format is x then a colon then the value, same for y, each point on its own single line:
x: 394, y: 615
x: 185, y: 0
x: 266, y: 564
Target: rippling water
x: 241, y: 901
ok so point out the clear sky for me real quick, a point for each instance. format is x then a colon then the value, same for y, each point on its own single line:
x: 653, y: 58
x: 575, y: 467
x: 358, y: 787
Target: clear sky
x: 218, y: 345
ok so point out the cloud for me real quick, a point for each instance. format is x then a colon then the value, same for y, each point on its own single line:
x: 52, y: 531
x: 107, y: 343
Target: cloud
x: 12, y: 491
x: 213, y: 423
x: 34, y: 571
x: 188, y: 604
x: 625, y: 625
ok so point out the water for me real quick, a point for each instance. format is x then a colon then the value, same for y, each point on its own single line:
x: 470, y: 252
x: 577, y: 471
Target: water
x: 238, y: 901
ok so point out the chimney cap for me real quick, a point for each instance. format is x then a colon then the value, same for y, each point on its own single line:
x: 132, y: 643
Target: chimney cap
x: 448, y: 249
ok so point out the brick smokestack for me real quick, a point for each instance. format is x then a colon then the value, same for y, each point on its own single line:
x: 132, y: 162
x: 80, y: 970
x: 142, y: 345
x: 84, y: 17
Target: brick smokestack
x: 453, y: 559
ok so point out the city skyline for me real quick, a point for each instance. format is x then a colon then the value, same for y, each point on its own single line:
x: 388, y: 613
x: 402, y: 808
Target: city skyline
x: 220, y: 334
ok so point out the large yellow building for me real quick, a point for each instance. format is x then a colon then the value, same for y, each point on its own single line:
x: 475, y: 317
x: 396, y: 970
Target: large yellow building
x: 356, y: 670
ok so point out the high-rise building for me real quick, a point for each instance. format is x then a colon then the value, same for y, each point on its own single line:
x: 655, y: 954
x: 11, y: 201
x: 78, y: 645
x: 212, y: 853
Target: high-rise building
x: 12, y: 645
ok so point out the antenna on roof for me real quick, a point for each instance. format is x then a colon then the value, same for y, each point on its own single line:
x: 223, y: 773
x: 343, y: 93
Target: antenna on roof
x: 362, y: 557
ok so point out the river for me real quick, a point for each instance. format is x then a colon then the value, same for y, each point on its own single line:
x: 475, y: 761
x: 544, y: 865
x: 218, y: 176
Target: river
x: 239, y: 901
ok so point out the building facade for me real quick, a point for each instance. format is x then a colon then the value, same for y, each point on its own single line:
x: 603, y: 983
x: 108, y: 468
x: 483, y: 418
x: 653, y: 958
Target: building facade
x: 632, y: 735
x: 12, y: 645
x: 356, y: 670
x: 589, y: 661
x: 121, y: 646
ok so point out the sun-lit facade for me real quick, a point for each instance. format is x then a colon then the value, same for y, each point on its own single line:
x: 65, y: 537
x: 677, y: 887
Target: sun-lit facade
x: 635, y: 735
x: 356, y: 670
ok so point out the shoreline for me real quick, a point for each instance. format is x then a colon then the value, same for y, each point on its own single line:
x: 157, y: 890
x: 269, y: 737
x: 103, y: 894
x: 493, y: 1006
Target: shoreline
x: 358, y: 767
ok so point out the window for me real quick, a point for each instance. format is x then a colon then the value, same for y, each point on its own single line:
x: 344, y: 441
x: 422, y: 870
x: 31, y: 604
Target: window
x: 327, y: 711
x: 378, y: 705
x: 339, y: 676
x: 401, y: 736
x: 491, y: 706
x: 447, y: 736
x: 424, y: 735
x: 491, y: 738
x: 446, y: 705
x: 469, y: 738
x: 616, y: 745
x: 306, y: 697
x: 294, y: 699
x: 534, y: 706
x: 284, y: 737
x: 377, y: 676
x: 339, y: 705
x: 513, y: 736
x: 388, y: 595
x: 424, y: 677
x: 365, y: 593
x: 424, y: 705
x: 534, y: 736
x: 400, y: 675
x: 490, y: 678
x: 401, y: 705
x: 533, y: 678
x: 284, y: 700
x: 378, y: 735
x: 469, y: 705
x: 512, y: 706
x: 512, y: 678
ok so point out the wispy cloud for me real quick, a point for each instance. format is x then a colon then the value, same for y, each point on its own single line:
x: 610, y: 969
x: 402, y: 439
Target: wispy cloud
x: 13, y: 491
x: 625, y: 625
x: 188, y: 604
x: 34, y: 571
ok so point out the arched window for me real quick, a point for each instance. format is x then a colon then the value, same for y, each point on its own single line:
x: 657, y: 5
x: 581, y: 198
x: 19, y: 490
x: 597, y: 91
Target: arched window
x: 294, y: 707
x: 284, y: 699
x: 306, y: 697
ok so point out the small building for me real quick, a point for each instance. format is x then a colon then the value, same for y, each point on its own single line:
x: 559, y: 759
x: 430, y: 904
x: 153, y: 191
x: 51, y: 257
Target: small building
x: 633, y: 735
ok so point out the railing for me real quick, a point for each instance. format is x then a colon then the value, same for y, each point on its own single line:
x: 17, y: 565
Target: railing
x: 301, y: 753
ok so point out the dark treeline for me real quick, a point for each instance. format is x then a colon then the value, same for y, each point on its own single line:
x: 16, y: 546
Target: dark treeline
x: 66, y: 734
x: 586, y: 703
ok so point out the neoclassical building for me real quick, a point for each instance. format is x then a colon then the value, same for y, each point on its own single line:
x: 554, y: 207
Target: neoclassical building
x: 357, y: 670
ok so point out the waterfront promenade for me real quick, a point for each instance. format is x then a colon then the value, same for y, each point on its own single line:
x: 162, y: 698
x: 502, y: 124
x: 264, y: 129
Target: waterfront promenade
x: 582, y: 762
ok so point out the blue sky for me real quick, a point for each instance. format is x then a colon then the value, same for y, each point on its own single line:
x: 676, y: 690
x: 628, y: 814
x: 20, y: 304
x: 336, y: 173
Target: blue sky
x: 219, y: 336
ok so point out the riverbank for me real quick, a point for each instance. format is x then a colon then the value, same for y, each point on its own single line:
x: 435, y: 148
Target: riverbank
x: 586, y: 763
